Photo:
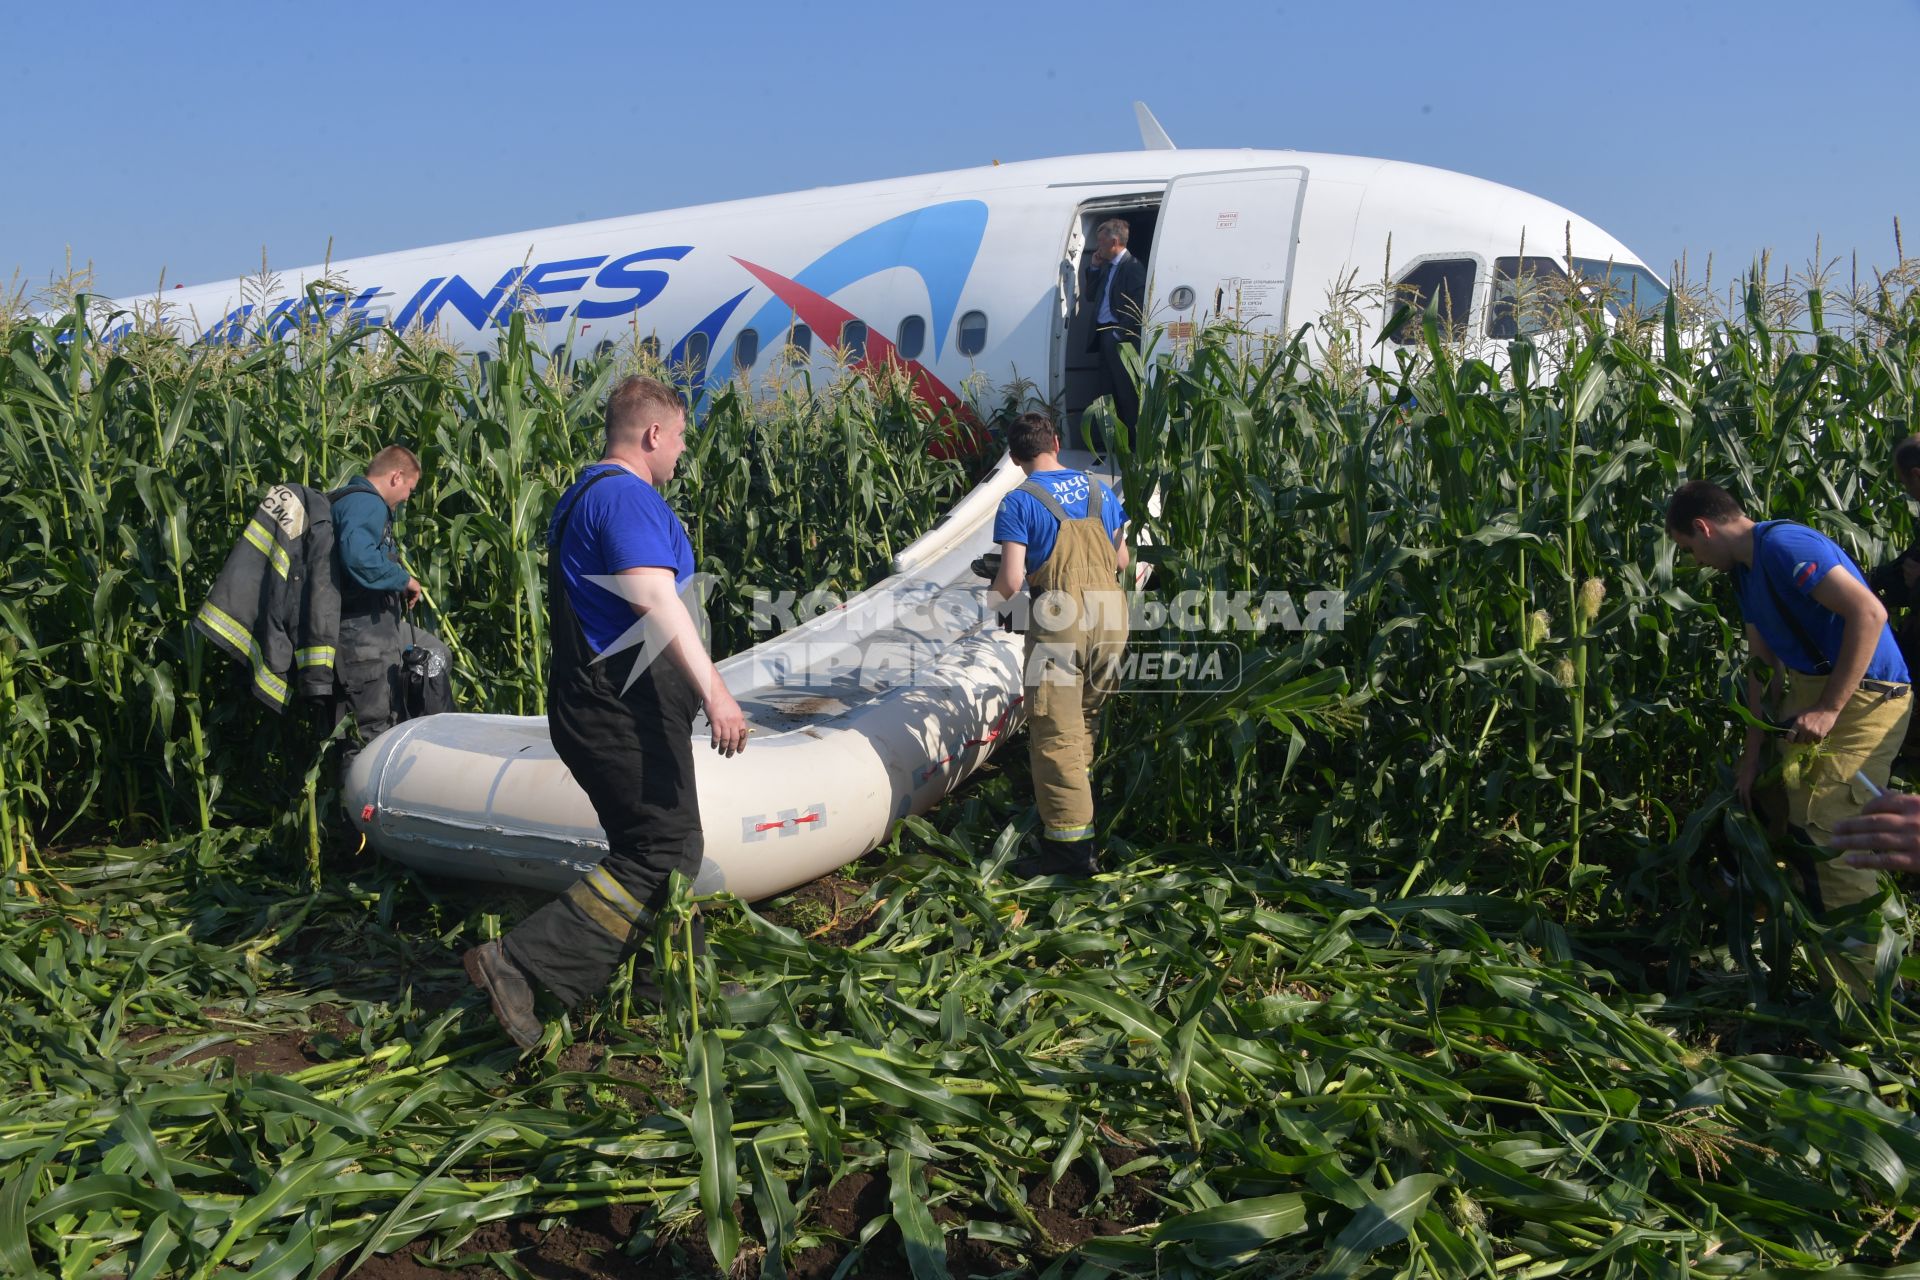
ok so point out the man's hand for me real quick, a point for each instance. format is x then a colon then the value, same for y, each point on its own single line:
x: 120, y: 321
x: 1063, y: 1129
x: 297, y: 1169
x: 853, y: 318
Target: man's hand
x: 1889, y: 825
x: 1748, y: 774
x: 414, y: 591
x: 1812, y: 725
x: 724, y: 717
x: 1012, y: 577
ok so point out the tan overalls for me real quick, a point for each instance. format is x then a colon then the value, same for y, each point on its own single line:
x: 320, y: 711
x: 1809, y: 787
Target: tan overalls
x: 1075, y: 641
x: 1826, y: 787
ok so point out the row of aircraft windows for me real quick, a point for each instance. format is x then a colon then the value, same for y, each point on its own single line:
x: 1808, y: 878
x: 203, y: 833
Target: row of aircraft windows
x: 909, y: 340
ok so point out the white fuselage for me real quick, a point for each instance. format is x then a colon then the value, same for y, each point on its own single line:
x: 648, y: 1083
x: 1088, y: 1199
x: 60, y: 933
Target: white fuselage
x: 971, y: 272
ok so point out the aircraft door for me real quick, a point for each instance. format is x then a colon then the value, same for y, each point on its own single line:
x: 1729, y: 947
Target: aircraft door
x: 1224, y: 249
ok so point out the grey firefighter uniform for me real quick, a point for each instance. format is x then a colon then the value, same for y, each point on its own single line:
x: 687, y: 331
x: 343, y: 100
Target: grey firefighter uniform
x: 375, y: 632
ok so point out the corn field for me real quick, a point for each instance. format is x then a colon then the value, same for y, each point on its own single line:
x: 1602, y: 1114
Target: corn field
x: 1436, y: 947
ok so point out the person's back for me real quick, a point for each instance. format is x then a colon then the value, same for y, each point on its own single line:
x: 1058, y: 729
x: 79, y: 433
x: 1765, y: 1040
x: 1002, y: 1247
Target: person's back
x: 1039, y: 509
x: 1061, y: 537
x: 1775, y: 594
x: 366, y: 553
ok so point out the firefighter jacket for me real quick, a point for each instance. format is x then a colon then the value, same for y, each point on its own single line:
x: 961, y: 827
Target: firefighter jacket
x: 276, y: 604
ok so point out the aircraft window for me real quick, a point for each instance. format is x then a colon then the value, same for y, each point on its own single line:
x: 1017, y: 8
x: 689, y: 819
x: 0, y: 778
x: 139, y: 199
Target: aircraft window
x: 1525, y: 293
x: 746, y: 348
x: 800, y: 344
x: 698, y: 344
x: 911, y: 338
x: 853, y: 336
x: 601, y: 348
x: 1448, y: 279
x: 973, y: 333
x: 1623, y: 286
x: 650, y: 348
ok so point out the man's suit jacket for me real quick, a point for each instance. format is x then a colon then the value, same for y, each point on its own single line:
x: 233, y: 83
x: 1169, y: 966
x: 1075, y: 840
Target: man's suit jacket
x: 1129, y: 297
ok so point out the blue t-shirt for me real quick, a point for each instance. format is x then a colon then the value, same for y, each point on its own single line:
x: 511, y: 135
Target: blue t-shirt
x: 620, y: 523
x: 1023, y: 518
x: 1794, y: 559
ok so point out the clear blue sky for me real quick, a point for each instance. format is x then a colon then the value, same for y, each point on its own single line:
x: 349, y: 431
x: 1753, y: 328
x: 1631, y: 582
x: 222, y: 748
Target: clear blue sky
x: 186, y: 137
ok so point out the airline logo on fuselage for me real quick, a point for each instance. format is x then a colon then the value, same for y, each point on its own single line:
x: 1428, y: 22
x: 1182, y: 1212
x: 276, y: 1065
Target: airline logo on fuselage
x: 635, y: 279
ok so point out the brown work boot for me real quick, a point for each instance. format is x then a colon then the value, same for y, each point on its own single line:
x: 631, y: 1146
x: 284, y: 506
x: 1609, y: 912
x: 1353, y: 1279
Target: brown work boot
x: 491, y: 969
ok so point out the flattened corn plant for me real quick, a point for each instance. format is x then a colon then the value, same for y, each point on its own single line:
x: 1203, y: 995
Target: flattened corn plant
x: 1247, y: 1067
x: 1412, y: 959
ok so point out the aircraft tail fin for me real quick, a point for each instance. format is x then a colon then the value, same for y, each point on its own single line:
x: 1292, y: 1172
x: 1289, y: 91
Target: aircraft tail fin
x: 1152, y: 136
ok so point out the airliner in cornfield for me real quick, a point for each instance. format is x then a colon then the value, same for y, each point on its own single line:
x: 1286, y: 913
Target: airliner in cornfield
x: 973, y: 271
x: 875, y: 710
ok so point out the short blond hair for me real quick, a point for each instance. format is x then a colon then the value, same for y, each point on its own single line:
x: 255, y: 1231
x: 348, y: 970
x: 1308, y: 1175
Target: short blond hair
x: 637, y: 404
x: 395, y: 457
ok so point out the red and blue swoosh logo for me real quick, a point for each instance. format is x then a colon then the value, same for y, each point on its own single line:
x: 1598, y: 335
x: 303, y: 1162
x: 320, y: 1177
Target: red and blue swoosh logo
x: 938, y: 243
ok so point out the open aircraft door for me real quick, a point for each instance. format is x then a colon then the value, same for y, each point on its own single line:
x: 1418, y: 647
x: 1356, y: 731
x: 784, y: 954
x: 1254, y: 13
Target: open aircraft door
x: 1224, y: 249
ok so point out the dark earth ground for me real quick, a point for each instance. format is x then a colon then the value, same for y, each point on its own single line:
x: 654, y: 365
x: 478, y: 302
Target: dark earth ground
x: 591, y: 1244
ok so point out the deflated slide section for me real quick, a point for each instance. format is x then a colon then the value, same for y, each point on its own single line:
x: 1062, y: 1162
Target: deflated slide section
x: 861, y: 716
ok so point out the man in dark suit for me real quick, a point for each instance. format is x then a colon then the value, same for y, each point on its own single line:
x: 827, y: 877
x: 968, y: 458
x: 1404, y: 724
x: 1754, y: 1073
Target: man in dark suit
x: 1116, y: 290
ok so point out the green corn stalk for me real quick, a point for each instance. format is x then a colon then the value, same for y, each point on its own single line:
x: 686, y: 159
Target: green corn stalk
x: 13, y: 833
x: 1245, y: 988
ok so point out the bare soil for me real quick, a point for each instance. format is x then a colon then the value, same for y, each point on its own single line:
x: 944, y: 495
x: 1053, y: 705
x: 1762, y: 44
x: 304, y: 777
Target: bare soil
x: 281, y: 1052
x: 590, y: 1245
x: 826, y: 910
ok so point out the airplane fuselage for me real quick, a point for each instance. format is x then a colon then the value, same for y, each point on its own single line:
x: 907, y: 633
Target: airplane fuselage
x: 961, y: 274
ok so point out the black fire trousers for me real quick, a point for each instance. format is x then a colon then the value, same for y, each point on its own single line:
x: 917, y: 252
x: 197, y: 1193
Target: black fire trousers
x: 632, y: 753
x: 367, y: 672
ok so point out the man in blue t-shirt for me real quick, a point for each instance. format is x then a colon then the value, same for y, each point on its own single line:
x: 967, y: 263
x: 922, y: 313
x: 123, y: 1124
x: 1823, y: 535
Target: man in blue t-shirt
x: 628, y: 675
x: 1811, y: 617
x: 1061, y: 536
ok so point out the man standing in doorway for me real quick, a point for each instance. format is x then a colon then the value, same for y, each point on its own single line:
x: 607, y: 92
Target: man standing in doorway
x: 1117, y: 291
x: 1062, y: 536
x: 1811, y: 618
x: 375, y: 592
x: 621, y: 718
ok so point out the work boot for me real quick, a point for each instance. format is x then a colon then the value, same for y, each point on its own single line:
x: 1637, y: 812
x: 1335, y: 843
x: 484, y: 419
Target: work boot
x: 1075, y: 857
x: 1059, y: 858
x: 491, y: 969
